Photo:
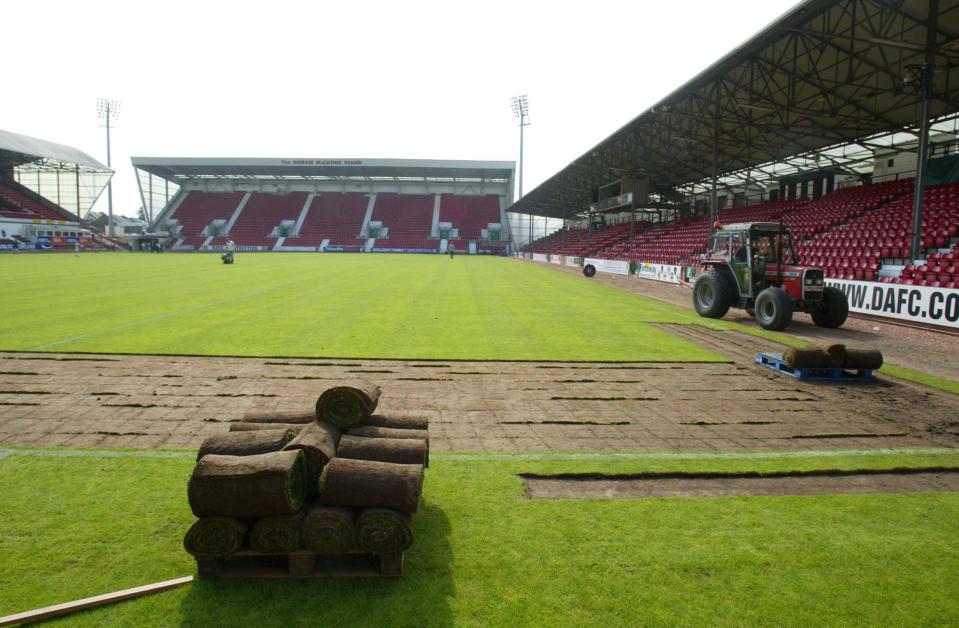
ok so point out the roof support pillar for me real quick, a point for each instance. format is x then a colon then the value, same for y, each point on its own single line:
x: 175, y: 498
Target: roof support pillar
x: 932, y: 25
x: 713, y: 199
x: 565, y: 211
x: 77, y: 181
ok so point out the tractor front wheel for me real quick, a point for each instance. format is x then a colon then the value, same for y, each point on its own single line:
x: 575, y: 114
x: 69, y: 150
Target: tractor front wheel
x: 834, y: 309
x: 713, y: 294
x: 774, y: 309
x: 589, y: 270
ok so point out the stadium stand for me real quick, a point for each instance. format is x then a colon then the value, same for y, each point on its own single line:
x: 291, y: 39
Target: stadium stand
x: 858, y: 248
x: 261, y: 215
x: 941, y: 270
x: 850, y: 233
x: 334, y: 216
x: 579, y: 243
x: 824, y: 213
x: 199, y: 209
x: 409, y: 219
x: 469, y: 214
x: 17, y: 201
x: 940, y: 228
x: 672, y: 243
x: 685, y: 242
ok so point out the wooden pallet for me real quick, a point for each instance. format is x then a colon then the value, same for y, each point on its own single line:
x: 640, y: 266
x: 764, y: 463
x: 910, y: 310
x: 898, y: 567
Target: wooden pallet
x: 302, y: 564
x: 775, y: 362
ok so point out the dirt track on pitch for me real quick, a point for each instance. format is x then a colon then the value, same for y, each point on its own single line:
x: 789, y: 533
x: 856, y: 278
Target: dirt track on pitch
x: 721, y: 485
x: 71, y: 400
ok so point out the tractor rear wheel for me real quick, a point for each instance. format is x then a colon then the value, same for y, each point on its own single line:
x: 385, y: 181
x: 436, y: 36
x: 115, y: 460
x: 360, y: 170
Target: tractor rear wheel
x: 589, y: 270
x: 774, y: 309
x: 834, y: 309
x: 713, y: 294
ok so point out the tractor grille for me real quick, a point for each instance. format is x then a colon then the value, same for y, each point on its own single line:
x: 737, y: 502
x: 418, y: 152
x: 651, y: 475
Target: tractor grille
x: 812, y: 284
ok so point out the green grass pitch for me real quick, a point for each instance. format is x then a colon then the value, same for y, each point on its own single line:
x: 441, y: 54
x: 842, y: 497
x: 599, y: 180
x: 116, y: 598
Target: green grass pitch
x: 329, y: 305
x: 483, y: 556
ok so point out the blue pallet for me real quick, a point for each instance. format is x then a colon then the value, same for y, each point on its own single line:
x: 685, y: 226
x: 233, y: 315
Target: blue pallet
x: 775, y: 362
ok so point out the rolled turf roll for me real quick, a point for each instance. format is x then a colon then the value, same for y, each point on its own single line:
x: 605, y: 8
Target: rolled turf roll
x: 346, y: 482
x: 279, y: 534
x: 806, y: 358
x: 383, y: 531
x: 404, y: 422
x: 836, y: 353
x: 318, y: 442
x: 329, y: 530
x: 863, y: 359
x: 248, y: 486
x: 349, y: 403
x: 245, y: 443
x: 398, y: 450
x: 388, y: 432
x: 305, y: 415
x: 215, y: 537
x: 242, y: 426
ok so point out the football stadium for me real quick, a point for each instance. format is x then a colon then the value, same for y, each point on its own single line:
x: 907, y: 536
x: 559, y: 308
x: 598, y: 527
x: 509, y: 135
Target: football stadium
x: 707, y: 373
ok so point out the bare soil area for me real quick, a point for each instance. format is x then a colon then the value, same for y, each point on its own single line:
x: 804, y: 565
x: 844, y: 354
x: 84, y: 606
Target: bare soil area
x: 786, y: 484
x: 74, y: 400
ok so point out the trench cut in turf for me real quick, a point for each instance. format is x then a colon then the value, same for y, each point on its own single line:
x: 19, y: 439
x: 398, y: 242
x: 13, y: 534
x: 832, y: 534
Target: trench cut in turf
x: 331, y: 305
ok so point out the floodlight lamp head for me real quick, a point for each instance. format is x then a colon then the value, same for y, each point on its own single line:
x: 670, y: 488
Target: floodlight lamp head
x: 520, y: 106
x: 107, y: 107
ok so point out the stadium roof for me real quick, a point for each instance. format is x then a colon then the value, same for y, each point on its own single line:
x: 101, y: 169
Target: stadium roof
x: 829, y: 80
x: 65, y: 175
x: 16, y: 149
x: 185, y: 168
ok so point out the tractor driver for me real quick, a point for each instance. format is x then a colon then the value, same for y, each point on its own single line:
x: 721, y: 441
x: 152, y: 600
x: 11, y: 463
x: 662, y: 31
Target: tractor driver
x: 761, y: 255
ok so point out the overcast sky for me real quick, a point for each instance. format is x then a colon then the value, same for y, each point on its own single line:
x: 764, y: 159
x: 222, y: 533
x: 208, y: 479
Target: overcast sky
x: 353, y: 79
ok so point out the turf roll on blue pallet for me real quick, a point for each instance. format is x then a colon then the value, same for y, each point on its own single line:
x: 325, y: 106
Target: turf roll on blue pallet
x: 775, y: 362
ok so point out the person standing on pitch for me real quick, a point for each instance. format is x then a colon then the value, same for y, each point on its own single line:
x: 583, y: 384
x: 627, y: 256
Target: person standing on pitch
x: 230, y: 249
x: 76, y: 248
x: 451, y: 249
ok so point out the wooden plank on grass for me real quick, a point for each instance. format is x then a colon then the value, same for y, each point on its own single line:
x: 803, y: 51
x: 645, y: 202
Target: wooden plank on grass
x: 91, y: 602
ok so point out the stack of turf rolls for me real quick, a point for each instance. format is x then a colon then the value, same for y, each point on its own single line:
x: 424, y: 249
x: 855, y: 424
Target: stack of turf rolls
x: 833, y: 356
x: 330, y: 478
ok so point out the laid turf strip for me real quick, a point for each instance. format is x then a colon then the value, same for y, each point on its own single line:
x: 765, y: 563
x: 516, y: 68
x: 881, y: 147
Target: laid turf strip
x: 485, y: 556
x: 332, y: 305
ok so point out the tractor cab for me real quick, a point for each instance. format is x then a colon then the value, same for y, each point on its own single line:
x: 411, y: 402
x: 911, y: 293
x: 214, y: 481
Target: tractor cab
x: 754, y: 266
x: 756, y: 254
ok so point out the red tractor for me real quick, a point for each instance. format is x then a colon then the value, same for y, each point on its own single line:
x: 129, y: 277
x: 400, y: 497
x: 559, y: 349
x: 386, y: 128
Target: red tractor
x: 754, y: 266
